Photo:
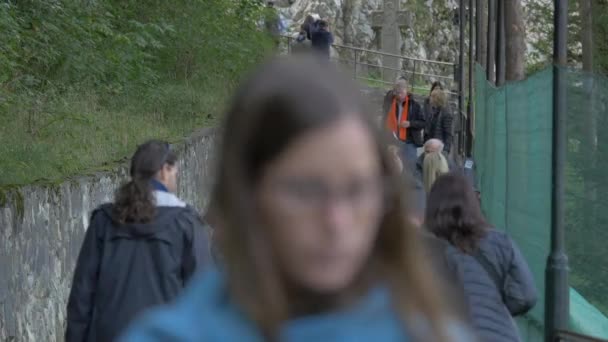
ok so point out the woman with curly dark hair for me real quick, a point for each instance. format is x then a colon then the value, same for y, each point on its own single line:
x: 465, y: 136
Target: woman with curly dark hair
x: 138, y: 252
x: 496, y: 279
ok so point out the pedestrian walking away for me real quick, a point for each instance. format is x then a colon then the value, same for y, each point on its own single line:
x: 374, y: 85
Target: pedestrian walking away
x: 496, y: 279
x: 139, y: 251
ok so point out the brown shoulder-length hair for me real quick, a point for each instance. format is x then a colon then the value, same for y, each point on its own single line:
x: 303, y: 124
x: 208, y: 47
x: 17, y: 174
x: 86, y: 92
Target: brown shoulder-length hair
x: 268, y: 112
x: 453, y: 212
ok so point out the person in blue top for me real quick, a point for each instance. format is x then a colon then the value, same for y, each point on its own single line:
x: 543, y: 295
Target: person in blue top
x: 315, y: 245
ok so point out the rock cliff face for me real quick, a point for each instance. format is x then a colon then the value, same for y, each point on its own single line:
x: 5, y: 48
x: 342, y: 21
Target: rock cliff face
x: 431, y: 35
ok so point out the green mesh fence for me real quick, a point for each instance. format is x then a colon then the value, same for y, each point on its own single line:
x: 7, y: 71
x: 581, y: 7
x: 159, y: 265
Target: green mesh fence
x: 513, y: 154
x: 586, y: 204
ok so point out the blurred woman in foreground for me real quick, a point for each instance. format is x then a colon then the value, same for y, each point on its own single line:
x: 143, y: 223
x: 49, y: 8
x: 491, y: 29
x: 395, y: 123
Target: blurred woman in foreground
x: 495, y: 277
x: 315, y: 243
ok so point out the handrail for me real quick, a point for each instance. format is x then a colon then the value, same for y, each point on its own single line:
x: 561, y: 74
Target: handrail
x: 395, y: 69
x: 355, y: 62
x: 383, y: 53
x: 394, y: 55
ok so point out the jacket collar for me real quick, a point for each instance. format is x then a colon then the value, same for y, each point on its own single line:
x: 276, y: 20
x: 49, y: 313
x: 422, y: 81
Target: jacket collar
x: 167, y: 199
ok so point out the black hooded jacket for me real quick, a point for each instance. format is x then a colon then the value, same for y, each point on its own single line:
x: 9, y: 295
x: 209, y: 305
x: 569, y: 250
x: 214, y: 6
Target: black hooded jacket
x: 125, y: 269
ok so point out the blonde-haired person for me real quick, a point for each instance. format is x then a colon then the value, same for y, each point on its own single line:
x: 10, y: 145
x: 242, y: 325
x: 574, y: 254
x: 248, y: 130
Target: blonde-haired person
x: 433, y: 147
x: 439, y: 119
x: 315, y: 238
x: 434, y: 165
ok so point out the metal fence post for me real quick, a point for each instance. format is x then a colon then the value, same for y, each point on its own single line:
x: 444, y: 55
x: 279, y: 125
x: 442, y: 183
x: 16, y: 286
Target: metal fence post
x: 491, y: 56
x: 478, y: 30
x: 461, y: 73
x: 501, y: 50
x: 468, y: 124
x: 557, y: 292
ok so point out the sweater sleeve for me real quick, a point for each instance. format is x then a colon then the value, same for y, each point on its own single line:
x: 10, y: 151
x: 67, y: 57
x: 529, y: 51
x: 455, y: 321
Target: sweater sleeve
x: 81, y: 300
x: 519, y: 289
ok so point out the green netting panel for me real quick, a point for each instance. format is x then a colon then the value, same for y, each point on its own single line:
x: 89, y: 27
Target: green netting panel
x: 586, y: 202
x: 513, y: 153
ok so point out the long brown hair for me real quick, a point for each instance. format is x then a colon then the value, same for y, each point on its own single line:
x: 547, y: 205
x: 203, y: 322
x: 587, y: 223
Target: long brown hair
x: 453, y: 212
x: 267, y: 113
x: 134, y: 202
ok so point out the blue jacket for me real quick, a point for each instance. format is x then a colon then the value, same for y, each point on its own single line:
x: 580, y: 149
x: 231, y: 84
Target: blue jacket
x: 205, y: 313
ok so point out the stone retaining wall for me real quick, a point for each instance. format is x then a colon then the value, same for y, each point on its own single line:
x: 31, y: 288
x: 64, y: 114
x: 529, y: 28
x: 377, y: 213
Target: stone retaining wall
x: 41, y: 230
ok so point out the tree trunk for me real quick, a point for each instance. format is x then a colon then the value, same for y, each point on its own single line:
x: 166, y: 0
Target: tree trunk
x: 590, y: 120
x: 516, y: 41
x: 482, y: 33
x: 586, y: 16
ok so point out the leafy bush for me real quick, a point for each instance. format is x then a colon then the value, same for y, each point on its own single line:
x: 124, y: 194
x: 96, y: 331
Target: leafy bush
x: 83, y: 81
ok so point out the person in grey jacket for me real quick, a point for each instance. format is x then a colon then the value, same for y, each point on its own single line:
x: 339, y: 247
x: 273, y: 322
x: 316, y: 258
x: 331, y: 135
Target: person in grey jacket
x: 497, y: 281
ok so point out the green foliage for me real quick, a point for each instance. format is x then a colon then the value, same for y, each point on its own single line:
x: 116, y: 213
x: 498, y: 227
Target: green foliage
x: 539, y: 15
x: 600, y: 36
x: 83, y: 82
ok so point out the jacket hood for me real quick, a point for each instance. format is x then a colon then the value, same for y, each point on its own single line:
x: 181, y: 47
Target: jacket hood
x: 168, y: 208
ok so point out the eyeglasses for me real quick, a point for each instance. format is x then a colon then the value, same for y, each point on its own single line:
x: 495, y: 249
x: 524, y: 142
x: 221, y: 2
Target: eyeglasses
x: 315, y: 195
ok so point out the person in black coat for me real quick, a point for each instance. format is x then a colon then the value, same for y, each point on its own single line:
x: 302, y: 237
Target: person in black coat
x: 438, y: 119
x: 322, y: 39
x: 138, y: 252
x: 495, y: 277
x: 427, y: 101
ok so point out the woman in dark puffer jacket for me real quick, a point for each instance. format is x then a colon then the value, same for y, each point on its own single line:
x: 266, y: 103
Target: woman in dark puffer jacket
x: 496, y: 279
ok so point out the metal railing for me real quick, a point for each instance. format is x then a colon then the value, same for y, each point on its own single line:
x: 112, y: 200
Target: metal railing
x: 358, y: 60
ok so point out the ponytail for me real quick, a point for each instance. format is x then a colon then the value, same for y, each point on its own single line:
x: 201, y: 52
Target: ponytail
x: 134, y: 202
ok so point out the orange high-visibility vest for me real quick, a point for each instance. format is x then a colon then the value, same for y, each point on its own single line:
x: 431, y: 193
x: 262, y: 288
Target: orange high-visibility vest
x: 391, y: 119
